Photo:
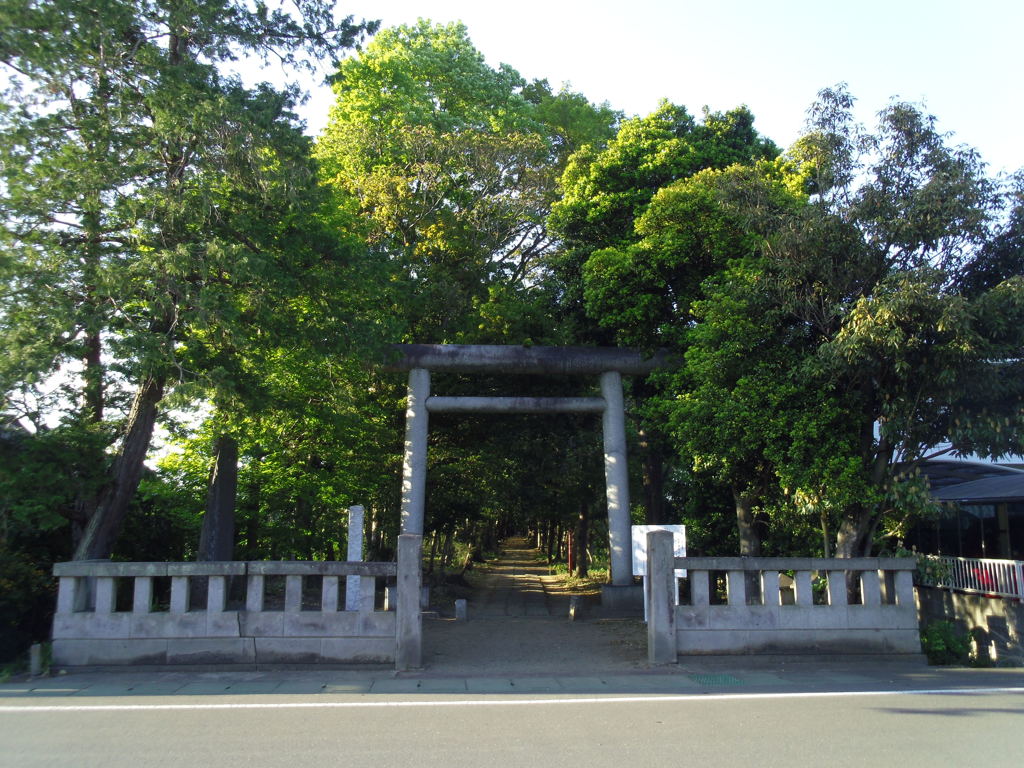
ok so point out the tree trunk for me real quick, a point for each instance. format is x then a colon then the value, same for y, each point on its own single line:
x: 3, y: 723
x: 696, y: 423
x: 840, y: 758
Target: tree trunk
x: 750, y: 536
x: 217, y: 538
x: 826, y: 538
x: 433, y: 552
x: 101, y: 532
x: 582, y: 535
x: 653, y: 454
x: 853, y: 539
x: 93, y: 375
x: 555, y: 543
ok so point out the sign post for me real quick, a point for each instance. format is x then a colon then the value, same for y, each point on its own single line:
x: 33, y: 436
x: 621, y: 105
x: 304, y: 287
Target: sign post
x: 639, y: 537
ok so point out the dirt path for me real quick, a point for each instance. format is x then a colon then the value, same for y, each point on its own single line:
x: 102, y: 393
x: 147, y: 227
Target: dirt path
x: 519, y: 625
x: 515, y: 585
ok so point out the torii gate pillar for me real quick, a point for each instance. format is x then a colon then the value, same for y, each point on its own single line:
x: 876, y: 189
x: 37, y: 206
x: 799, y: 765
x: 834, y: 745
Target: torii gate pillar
x: 616, y: 479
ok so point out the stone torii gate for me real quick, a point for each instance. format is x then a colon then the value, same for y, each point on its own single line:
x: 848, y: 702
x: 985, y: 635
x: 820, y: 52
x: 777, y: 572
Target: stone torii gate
x: 610, y: 364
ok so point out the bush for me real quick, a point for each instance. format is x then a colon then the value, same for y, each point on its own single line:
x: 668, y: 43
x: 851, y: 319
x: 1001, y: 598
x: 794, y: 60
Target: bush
x: 27, y: 597
x: 942, y: 644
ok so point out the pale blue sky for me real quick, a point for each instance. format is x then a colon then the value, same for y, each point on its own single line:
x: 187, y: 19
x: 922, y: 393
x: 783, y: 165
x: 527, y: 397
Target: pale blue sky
x: 961, y: 59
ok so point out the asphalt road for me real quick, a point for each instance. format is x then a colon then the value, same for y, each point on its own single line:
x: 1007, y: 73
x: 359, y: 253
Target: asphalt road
x: 961, y: 727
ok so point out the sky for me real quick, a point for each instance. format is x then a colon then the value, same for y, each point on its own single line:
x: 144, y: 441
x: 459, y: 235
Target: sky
x: 961, y: 60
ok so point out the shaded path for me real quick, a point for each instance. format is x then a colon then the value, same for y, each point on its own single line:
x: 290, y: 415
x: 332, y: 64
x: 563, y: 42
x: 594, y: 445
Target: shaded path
x: 518, y: 625
x: 514, y: 585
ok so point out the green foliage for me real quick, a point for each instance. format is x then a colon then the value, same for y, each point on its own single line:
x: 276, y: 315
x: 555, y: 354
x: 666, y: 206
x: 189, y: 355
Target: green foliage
x: 452, y: 164
x: 160, y: 222
x: 606, y: 191
x: 26, y: 602
x: 42, y: 474
x: 814, y: 303
x: 944, y: 645
x: 931, y: 571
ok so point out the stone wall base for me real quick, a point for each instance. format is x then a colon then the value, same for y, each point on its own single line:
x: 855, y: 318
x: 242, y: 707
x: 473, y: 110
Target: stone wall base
x: 1001, y: 619
x: 625, y: 601
x: 173, y: 652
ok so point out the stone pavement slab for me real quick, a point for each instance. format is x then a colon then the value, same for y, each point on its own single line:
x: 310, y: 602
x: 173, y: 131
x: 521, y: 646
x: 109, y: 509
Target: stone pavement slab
x: 490, y: 685
x: 535, y: 685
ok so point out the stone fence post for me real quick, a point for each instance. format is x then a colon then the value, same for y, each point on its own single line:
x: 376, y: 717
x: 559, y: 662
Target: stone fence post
x: 661, y: 610
x: 409, y: 632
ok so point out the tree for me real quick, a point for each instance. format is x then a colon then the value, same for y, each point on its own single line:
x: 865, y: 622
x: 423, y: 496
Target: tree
x: 679, y: 288
x: 151, y: 206
x: 618, y: 275
x: 846, y: 332
x: 453, y: 165
x: 918, y: 362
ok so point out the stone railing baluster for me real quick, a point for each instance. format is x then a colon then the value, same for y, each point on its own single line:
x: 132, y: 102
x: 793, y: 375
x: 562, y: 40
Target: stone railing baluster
x: 870, y: 588
x: 736, y: 587
x: 67, y: 587
x: 216, y: 594
x: 292, y: 593
x: 254, y: 593
x: 770, y: 587
x: 905, y: 589
x: 837, y: 588
x: 329, y: 595
x: 699, y: 589
x: 179, y: 594
x: 804, y: 588
x: 142, y: 595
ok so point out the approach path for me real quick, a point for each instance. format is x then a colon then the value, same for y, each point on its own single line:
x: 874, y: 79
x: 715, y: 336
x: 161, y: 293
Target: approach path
x: 514, y: 585
x: 519, y: 624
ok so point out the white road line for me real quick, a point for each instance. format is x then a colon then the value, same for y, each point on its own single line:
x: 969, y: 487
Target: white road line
x: 477, y: 702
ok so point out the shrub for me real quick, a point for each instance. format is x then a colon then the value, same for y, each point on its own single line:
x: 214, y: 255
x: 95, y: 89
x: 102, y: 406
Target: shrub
x: 26, y: 603
x: 943, y: 644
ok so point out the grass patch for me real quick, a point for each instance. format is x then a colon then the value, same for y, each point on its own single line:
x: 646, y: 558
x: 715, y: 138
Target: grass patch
x: 588, y: 585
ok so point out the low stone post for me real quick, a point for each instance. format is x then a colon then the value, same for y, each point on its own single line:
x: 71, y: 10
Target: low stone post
x: 661, y: 611
x: 409, y: 639
x: 358, y: 589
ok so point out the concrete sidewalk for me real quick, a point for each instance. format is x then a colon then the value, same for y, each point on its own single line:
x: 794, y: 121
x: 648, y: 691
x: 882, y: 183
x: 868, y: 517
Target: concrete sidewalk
x: 747, y: 675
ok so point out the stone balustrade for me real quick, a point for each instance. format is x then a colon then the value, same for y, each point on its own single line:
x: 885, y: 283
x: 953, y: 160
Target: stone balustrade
x: 780, y: 605
x: 111, y: 613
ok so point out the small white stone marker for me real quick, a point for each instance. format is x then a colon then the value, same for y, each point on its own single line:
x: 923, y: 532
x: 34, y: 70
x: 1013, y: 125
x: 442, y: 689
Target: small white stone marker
x: 460, y: 610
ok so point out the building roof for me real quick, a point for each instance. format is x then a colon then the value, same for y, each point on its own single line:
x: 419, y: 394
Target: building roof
x: 942, y: 473
x: 989, y: 490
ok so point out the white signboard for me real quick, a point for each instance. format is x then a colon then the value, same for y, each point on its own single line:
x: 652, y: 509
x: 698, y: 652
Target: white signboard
x: 640, y: 546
